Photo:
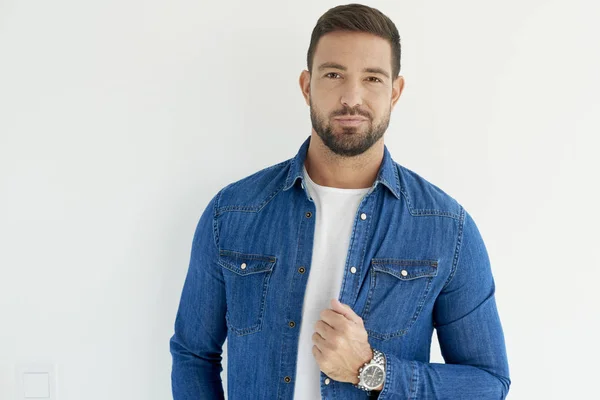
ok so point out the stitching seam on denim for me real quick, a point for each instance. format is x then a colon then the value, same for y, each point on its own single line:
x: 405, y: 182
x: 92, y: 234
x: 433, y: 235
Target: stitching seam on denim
x: 458, y: 247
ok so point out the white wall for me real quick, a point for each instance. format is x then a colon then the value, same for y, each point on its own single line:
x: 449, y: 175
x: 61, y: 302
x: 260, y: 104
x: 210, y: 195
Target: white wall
x: 120, y: 119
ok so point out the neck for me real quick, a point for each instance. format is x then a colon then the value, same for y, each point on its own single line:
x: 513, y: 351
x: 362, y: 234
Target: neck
x: 329, y: 169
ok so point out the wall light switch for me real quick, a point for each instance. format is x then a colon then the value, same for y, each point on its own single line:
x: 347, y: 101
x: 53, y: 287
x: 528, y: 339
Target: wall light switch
x: 36, y: 381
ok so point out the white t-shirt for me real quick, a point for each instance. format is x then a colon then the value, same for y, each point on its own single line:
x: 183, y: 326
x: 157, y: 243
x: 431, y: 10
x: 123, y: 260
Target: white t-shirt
x: 335, y: 212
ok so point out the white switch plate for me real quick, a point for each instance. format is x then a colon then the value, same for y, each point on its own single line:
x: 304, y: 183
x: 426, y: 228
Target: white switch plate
x: 31, y: 381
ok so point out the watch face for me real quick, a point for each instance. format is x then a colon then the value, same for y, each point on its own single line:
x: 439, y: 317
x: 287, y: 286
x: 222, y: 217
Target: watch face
x: 373, y: 376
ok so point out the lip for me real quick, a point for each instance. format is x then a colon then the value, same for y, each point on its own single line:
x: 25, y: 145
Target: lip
x: 350, y: 121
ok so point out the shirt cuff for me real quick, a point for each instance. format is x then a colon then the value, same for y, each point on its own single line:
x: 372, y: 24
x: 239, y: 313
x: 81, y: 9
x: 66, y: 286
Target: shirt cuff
x: 401, y: 378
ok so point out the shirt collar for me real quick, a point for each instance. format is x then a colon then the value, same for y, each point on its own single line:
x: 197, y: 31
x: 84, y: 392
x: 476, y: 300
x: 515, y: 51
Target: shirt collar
x: 387, y: 175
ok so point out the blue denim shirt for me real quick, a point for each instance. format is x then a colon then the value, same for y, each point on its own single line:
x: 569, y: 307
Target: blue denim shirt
x: 420, y: 264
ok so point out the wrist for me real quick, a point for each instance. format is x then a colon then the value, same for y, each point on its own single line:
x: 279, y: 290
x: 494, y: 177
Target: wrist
x: 371, y: 376
x: 354, y: 377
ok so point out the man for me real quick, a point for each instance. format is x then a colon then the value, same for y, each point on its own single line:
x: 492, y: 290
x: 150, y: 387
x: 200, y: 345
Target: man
x: 328, y: 272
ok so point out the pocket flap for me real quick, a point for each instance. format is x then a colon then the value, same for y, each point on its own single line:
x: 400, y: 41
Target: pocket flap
x: 405, y: 269
x: 245, y: 264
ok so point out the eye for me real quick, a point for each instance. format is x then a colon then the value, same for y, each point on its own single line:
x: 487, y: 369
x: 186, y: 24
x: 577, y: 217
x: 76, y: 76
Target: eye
x: 332, y: 73
x: 377, y: 79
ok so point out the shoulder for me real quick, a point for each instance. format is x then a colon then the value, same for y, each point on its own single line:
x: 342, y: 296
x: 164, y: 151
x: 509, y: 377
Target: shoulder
x: 252, y: 192
x: 426, y: 198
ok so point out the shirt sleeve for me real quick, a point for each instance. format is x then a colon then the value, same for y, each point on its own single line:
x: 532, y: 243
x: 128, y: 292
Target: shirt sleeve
x: 469, y: 332
x: 200, y: 325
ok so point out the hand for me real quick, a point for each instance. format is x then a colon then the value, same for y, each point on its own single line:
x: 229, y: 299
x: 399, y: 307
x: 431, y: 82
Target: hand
x: 341, y: 344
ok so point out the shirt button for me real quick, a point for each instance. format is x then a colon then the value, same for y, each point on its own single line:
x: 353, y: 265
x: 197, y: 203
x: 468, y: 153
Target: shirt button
x: 308, y: 214
x: 327, y: 381
x: 301, y: 270
x: 403, y: 272
x: 363, y: 216
x: 353, y: 270
x: 243, y: 266
x: 292, y: 324
x: 287, y: 379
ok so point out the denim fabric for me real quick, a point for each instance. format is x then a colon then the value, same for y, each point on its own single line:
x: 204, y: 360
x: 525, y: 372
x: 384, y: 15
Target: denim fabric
x: 420, y: 264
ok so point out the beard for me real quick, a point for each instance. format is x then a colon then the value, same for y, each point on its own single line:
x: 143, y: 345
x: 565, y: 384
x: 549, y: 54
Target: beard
x: 351, y: 140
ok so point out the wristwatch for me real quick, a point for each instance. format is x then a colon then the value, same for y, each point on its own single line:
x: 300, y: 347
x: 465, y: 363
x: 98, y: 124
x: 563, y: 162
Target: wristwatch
x: 372, y: 373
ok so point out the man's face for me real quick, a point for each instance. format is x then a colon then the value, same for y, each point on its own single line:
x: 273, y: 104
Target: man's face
x: 350, y: 91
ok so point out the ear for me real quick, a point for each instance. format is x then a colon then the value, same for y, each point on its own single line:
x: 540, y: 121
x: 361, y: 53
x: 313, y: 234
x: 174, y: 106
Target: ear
x: 305, y: 86
x: 397, y: 88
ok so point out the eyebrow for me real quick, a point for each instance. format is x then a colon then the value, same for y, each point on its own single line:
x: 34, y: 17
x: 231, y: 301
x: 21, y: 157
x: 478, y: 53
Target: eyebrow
x: 372, y: 70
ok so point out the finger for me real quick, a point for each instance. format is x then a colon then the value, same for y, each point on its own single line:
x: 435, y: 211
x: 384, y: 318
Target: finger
x: 318, y: 341
x: 333, y: 319
x: 324, y: 329
x: 345, y: 310
x: 317, y: 354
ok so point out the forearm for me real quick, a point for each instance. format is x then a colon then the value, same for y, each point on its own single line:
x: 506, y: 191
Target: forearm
x: 196, y: 345
x: 406, y: 379
x: 193, y: 377
x: 476, y: 363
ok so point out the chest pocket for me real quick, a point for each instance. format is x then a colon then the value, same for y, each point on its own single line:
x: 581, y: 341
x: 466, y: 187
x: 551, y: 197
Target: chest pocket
x: 246, y: 284
x: 398, y: 289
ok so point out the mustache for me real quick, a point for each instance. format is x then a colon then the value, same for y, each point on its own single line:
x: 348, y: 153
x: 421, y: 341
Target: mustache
x: 348, y: 112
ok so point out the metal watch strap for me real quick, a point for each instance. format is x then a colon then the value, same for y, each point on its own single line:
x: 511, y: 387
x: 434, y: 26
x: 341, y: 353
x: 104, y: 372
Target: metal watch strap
x: 378, y: 359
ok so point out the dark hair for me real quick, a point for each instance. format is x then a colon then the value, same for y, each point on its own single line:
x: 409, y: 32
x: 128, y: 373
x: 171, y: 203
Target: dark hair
x: 356, y: 18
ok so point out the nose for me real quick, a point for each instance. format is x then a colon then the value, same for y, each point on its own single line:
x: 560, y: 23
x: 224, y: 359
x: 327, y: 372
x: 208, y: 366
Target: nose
x: 351, y: 95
